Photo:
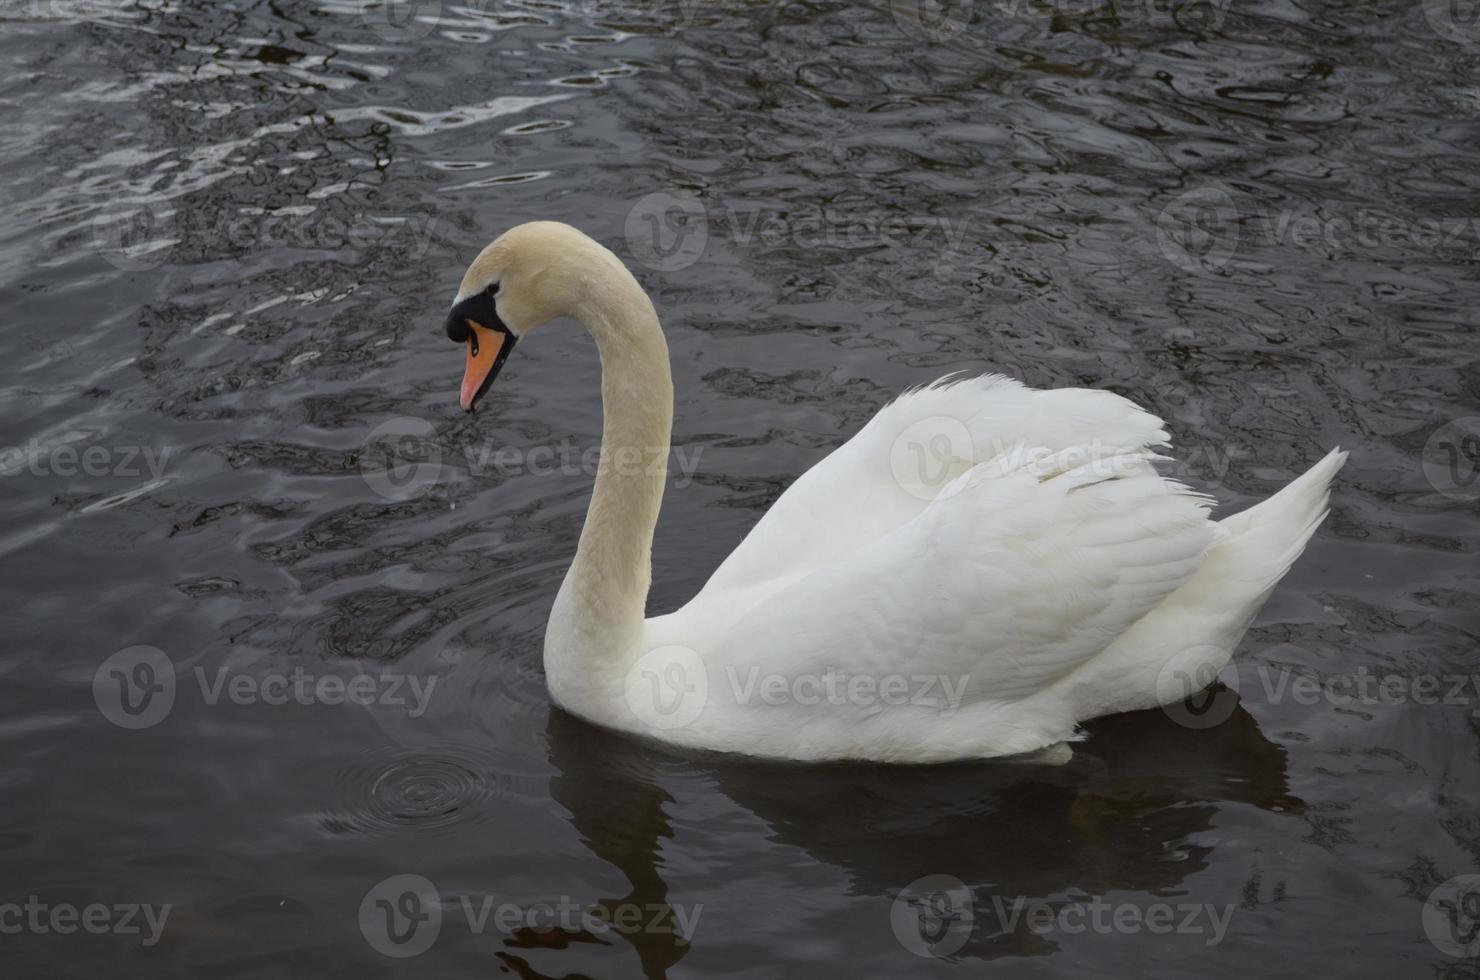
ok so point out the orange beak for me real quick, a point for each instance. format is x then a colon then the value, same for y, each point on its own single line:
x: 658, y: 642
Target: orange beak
x: 486, y: 353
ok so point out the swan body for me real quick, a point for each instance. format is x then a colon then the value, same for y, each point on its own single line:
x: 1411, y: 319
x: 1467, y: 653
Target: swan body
x: 977, y: 571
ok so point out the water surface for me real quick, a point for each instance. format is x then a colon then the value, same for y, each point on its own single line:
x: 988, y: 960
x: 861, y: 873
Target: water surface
x: 232, y: 230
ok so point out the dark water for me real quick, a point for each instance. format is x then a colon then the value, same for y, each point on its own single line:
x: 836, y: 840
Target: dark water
x: 231, y: 232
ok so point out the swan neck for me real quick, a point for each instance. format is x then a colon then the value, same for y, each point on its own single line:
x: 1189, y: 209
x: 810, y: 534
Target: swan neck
x: 604, y: 595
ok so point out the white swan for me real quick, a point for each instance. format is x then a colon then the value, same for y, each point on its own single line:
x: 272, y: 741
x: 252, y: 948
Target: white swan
x: 1035, y: 573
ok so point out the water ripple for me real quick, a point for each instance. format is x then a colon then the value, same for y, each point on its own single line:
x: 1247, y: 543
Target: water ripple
x: 427, y: 790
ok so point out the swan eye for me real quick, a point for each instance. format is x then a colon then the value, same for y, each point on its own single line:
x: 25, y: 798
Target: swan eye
x: 492, y: 289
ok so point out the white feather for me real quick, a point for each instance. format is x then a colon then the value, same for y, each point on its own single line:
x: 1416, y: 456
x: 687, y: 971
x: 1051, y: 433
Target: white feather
x: 1021, y: 581
x: 1015, y: 549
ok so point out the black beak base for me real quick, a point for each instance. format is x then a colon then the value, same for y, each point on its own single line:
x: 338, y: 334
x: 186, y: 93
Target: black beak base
x: 482, y: 310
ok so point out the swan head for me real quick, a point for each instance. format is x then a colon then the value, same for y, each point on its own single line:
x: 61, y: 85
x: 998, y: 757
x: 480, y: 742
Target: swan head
x: 525, y: 278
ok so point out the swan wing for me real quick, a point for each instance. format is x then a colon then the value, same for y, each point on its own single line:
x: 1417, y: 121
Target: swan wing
x: 892, y: 470
x: 1018, y: 572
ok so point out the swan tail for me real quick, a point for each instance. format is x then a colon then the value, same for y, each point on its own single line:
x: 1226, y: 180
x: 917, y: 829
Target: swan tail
x: 1260, y: 544
x: 1195, y: 630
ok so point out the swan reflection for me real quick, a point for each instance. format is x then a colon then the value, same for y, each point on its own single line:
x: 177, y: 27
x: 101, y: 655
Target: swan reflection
x: 1130, y: 813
